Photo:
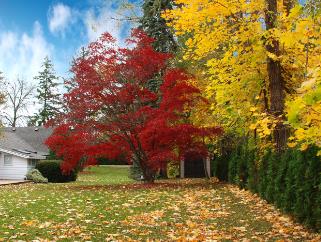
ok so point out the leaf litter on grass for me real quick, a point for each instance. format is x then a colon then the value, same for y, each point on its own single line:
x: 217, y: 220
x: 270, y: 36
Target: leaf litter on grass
x: 170, y: 210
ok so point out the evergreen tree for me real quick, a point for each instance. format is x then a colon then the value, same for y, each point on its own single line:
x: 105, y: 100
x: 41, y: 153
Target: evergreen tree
x: 47, y: 94
x: 155, y: 26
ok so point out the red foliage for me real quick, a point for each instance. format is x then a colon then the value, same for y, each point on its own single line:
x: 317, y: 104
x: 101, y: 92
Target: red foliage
x: 112, y: 111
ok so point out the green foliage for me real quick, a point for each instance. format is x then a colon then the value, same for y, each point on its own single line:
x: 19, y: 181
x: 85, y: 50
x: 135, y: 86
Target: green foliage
x: 280, y: 179
x: 269, y: 194
x: 52, y: 156
x: 121, y: 160
x: 313, y: 7
x: 291, y: 180
x: 232, y: 168
x: 307, y: 199
x: 252, y: 179
x: 172, y: 170
x: 135, y: 172
x: 240, y: 163
x: 47, y: 94
x: 219, y: 166
x: 51, y: 170
x: 35, y: 176
x: 155, y: 26
x: 262, y: 169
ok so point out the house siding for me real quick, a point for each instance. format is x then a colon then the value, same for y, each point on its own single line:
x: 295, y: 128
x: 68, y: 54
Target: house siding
x: 16, y: 171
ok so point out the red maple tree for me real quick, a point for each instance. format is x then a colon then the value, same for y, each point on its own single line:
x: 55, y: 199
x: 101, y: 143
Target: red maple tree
x: 111, y: 110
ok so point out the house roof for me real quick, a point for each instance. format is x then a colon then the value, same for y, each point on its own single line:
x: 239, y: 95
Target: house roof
x: 27, y: 142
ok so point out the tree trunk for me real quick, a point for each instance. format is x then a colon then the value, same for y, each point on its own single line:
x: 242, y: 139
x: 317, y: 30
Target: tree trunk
x: 288, y: 5
x: 276, y: 82
x: 207, y: 175
x: 149, y: 174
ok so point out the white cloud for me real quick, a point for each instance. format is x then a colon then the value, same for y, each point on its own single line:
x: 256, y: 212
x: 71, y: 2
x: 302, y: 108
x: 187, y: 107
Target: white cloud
x: 22, y: 54
x: 104, y: 21
x: 59, y: 18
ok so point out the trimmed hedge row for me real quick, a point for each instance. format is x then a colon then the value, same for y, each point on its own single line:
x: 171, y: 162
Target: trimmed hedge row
x: 291, y: 180
x: 51, y: 170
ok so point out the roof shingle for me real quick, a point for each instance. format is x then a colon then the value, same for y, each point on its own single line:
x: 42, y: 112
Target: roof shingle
x: 26, y: 139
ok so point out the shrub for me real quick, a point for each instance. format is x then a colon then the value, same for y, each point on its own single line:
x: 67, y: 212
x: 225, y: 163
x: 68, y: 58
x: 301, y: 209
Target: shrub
x: 120, y: 160
x: 291, y: 180
x: 280, y: 179
x: 135, y: 172
x: 172, y: 170
x: 270, y: 192
x: 51, y: 170
x: 35, y: 176
x: 219, y: 167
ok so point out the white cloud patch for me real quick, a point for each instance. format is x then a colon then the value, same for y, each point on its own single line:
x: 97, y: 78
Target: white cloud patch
x: 59, y: 18
x: 104, y: 21
x: 22, y: 54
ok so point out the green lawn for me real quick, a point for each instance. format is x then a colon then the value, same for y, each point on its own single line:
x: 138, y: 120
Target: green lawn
x: 106, y: 205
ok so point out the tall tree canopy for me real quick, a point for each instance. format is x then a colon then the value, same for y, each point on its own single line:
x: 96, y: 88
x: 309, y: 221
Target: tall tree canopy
x: 252, y: 56
x: 112, y: 110
x: 155, y: 26
x: 47, y: 94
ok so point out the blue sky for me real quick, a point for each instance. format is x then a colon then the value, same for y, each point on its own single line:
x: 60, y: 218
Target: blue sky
x: 33, y: 29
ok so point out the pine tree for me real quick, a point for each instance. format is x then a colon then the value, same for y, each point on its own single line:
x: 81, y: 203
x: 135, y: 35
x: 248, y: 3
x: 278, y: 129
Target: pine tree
x: 155, y: 26
x: 47, y: 94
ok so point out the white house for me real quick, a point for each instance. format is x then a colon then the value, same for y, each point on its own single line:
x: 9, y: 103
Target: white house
x: 20, y: 149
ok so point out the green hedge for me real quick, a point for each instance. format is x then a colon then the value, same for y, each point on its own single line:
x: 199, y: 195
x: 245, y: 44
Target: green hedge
x: 291, y: 180
x: 51, y: 170
x: 118, y: 161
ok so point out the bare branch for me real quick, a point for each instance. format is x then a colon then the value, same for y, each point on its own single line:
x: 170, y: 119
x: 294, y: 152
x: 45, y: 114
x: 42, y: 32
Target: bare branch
x: 17, y: 99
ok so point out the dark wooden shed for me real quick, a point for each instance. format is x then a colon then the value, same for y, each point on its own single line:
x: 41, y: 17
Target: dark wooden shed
x: 195, y: 166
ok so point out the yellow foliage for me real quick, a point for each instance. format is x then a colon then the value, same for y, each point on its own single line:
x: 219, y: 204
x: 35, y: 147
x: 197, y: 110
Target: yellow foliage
x: 304, y: 111
x: 227, y: 39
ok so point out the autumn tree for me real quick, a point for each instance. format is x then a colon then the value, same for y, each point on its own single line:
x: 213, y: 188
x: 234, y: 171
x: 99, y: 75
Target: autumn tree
x: 252, y: 55
x: 313, y: 7
x: 18, y: 96
x: 304, y: 113
x: 112, y: 110
x: 47, y: 93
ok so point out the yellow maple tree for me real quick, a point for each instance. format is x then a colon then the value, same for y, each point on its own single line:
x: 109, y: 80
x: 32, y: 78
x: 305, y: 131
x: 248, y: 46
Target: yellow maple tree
x: 228, y: 41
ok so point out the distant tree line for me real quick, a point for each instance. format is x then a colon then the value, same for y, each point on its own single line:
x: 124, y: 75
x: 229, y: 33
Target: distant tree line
x: 18, y: 96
